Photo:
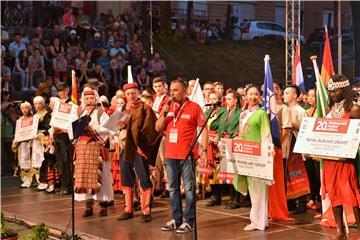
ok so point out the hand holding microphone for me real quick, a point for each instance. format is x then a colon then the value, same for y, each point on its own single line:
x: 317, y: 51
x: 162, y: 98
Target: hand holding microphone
x: 217, y: 104
x: 166, y: 108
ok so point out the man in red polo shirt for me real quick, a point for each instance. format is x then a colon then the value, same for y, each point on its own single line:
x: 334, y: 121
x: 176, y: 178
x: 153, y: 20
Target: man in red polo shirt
x: 181, y: 120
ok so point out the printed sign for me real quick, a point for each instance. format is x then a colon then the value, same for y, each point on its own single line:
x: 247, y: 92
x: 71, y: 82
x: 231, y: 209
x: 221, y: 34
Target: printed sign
x: 26, y: 128
x: 63, y: 115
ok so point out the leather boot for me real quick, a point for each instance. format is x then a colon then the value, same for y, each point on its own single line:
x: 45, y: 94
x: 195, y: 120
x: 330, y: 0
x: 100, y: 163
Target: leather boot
x: 128, y: 197
x: 145, y: 205
x: 338, y: 215
x: 103, y: 211
x: 89, y: 208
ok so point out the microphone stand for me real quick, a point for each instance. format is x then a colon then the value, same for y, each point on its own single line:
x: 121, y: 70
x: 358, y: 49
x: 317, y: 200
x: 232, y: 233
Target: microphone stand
x: 73, y: 143
x: 193, y: 165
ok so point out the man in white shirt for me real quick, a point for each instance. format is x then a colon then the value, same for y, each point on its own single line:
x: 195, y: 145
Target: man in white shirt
x: 291, y: 93
x: 160, y: 100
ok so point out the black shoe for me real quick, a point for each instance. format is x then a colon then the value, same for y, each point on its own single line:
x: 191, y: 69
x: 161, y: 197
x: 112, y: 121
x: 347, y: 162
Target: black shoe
x: 103, y: 212
x: 136, y: 206
x: 165, y: 194
x: 300, y: 208
x: 145, y: 218
x: 213, y: 202
x: 125, y: 216
x: 234, y: 205
x: 88, y: 213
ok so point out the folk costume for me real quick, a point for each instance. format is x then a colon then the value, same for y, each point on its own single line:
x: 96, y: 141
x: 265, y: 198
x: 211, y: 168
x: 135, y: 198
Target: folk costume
x: 92, y: 170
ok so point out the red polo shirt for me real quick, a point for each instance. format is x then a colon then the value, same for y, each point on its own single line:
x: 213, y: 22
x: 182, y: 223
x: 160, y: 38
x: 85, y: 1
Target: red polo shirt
x: 187, y: 120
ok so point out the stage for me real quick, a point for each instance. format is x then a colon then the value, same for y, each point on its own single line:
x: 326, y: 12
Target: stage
x: 213, y: 222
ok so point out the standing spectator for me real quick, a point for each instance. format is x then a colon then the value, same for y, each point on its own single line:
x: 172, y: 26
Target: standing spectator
x: 156, y: 65
x: 36, y: 65
x: 59, y: 67
x: 143, y: 79
x: 21, y: 69
x: 16, y: 46
x: 69, y: 20
x: 69, y: 66
x: 84, y: 24
x: 56, y: 48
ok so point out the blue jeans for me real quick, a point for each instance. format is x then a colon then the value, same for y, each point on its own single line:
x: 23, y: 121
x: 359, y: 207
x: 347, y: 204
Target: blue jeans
x: 177, y: 169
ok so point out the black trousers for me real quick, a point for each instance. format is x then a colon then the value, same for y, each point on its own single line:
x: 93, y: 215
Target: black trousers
x: 313, y: 172
x: 63, y: 160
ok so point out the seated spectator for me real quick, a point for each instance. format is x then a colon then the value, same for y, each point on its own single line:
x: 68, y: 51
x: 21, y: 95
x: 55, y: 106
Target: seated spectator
x: 80, y: 60
x: 82, y: 75
x: 96, y: 44
x: 56, y: 33
x: 136, y: 50
x: 56, y: 48
x: 84, y: 25
x: 24, y: 38
x: 4, y: 34
x: 70, y: 60
x: 104, y: 61
x: 59, y: 67
x: 35, y: 43
x: 143, y: 79
x: 89, y: 61
x: 115, y: 77
x: 5, y: 77
x: 113, y: 37
x: 116, y: 49
x: 16, y: 46
x: 73, y: 42
x: 39, y: 33
x: 69, y: 20
x: 36, y: 65
x: 97, y: 73
x: 156, y: 65
x: 21, y: 69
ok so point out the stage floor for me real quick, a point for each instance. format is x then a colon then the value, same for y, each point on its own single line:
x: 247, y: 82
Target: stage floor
x: 213, y: 222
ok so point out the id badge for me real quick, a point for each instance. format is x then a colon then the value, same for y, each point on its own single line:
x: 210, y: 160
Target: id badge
x: 173, y: 135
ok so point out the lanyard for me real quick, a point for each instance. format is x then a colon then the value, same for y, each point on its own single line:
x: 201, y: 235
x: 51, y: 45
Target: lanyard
x: 179, y: 113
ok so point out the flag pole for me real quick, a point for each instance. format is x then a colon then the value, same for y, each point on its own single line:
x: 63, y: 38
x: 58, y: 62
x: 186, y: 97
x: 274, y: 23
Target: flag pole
x: 339, y: 39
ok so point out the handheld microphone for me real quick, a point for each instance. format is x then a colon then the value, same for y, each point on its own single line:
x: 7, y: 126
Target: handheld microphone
x: 169, y: 101
x: 217, y: 104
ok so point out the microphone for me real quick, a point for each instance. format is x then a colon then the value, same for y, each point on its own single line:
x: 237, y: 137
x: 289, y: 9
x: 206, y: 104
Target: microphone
x: 169, y: 101
x: 217, y: 104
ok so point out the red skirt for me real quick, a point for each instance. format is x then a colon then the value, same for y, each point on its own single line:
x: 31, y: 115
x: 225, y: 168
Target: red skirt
x: 341, y: 184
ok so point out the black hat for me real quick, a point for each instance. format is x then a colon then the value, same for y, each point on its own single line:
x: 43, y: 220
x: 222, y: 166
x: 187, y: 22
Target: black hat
x: 94, y: 83
x: 61, y: 86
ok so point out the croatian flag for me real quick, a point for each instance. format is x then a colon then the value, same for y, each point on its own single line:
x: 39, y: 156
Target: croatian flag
x: 298, y: 77
x: 269, y: 103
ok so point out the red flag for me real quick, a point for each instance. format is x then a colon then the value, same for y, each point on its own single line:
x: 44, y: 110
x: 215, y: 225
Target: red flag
x: 298, y: 77
x: 327, y: 69
x: 74, y: 93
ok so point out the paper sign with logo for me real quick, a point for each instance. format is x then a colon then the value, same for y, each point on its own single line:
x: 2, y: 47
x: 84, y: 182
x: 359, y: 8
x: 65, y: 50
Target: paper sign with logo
x: 26, y: 128
x: 63, y: 115
x: 247, y: 158
x: 329, y: 137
